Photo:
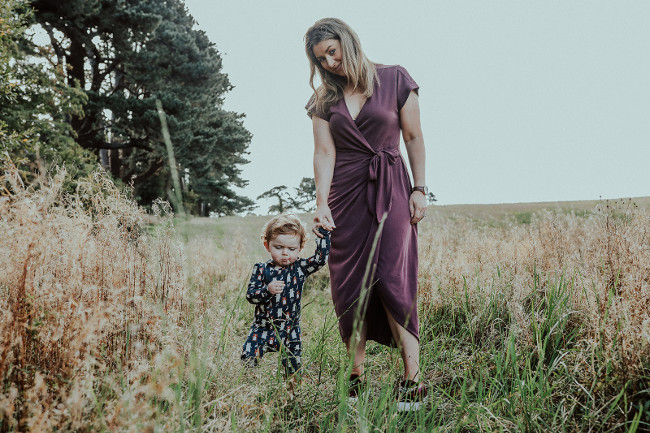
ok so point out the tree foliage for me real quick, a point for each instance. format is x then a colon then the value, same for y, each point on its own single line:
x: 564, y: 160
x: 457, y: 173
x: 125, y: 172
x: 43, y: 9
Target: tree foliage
x: 304, y: 198
x: 35, y: 102
x: 280, y: 193
x: 125, y: 54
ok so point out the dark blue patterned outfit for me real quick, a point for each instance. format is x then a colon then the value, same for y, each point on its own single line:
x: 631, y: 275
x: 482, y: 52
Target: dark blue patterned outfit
x: 277, y: 317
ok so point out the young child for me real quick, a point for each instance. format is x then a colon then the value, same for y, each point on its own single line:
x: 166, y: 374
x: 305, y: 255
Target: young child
x: 275, y: 288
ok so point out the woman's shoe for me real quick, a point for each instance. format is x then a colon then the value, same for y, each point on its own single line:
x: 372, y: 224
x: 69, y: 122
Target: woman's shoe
x: 411, y: 396
x: 356, y: 388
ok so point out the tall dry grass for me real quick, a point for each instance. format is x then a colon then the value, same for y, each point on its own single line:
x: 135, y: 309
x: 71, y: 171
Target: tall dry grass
x: 113, y: 321
x: 84, y: 287
x: 606, y: 255
x: 508, y: 278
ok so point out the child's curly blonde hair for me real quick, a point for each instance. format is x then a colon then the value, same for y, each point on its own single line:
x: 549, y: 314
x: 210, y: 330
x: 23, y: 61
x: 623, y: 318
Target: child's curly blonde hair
x: 285, y: 224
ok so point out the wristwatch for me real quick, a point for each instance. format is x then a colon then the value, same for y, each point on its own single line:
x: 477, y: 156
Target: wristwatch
x: 423, y: 189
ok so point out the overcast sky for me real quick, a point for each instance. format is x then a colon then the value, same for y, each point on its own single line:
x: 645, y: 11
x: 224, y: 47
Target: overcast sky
x: 520, y: 101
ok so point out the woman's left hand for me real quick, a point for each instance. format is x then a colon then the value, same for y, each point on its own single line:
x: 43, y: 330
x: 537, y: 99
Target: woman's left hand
x: 417, y: 206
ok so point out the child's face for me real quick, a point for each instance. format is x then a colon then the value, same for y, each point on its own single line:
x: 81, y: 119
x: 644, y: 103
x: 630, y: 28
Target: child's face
x: 284, y: 249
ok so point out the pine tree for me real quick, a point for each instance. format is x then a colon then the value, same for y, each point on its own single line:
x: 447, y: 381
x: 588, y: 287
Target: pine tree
x: 306, y: 195
x: 35, y: 103
x: 280, y: 193
x: 126, y: 54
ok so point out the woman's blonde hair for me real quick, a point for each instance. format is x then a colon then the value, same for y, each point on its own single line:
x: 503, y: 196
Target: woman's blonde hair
x: 359, y: 71
x: 285, y: 224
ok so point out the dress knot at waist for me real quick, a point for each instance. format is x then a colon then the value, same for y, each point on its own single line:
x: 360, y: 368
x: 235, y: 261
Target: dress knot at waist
x: 380, y: 181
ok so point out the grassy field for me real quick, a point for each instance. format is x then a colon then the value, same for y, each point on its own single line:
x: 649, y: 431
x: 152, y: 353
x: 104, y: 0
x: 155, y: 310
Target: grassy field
x: 534, y: 318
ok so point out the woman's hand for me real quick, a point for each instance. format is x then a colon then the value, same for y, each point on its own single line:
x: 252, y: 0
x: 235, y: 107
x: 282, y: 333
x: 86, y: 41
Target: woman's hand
x: 323, y: 218
x: 417, y: 206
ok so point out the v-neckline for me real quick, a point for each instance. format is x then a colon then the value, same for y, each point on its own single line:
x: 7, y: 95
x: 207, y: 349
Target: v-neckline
x: 347, y: 108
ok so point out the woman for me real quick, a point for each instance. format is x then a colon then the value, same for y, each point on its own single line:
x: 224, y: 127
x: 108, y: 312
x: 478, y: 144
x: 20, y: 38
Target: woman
x: 361, y: 183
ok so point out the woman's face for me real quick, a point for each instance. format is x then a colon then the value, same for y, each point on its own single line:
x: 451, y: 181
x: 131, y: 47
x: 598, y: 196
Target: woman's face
x: 328, y: 54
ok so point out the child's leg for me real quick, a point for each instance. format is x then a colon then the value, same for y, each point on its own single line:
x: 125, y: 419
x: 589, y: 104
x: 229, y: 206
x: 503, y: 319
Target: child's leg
x: 254, y: 346
x: 291, y: 352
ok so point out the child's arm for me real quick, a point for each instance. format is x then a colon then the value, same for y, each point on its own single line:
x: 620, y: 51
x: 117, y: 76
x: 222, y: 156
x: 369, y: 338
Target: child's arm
x: 322, y: 253
x: 257, y: 292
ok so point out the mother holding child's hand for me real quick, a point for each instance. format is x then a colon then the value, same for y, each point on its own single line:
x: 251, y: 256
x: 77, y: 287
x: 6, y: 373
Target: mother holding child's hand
x: 361, y: 180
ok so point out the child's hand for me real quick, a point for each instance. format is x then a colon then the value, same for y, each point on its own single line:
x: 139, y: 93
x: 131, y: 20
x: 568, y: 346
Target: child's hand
x: 276, y: 287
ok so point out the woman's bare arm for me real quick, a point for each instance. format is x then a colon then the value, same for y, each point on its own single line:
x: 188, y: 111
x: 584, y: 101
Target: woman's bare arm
x: 324, y: 159
x: 414, y: 142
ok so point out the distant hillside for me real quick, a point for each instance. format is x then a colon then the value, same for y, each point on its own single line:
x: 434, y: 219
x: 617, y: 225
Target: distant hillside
x: 503, y: 209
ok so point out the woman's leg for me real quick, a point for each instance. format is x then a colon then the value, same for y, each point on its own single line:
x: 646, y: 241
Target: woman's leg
x: 409, y: 347
x: 359, y: 349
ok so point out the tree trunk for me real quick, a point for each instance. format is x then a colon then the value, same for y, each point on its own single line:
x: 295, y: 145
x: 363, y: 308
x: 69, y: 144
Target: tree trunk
x: 115, y: 163
x: 103, y: 159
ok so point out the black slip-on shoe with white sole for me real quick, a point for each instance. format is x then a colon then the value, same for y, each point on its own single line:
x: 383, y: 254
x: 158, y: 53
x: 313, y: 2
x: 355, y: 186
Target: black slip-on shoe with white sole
x: 411, y: 396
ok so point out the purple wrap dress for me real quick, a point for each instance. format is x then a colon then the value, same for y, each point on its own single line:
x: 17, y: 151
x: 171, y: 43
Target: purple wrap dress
x: 370, y: 182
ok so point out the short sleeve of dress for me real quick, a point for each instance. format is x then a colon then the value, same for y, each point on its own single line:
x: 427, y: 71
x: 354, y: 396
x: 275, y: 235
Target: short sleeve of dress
x: 311, y: 110
x: 405, y: 84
